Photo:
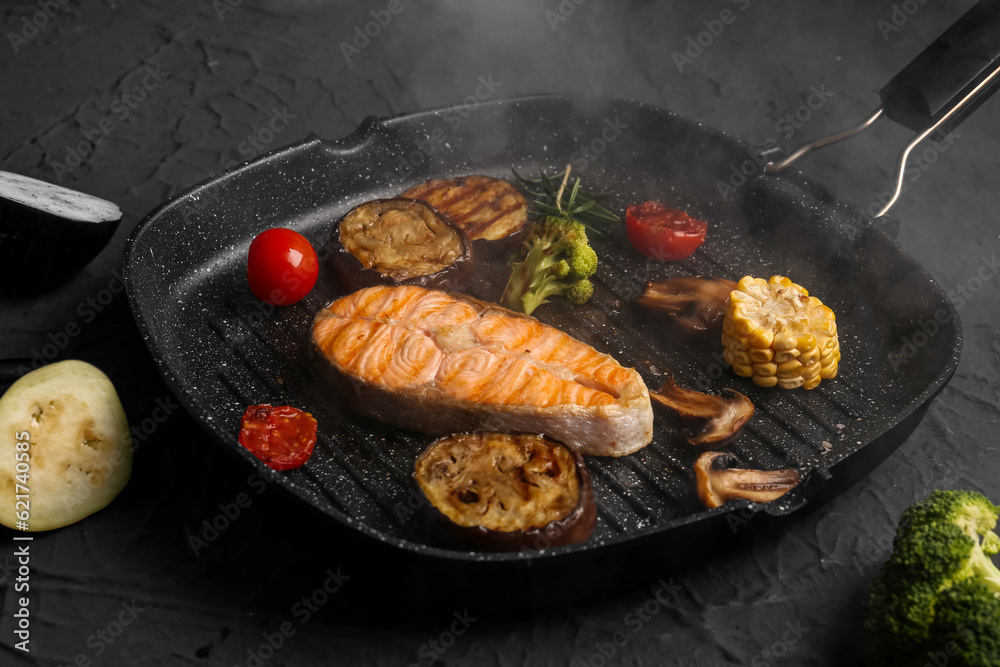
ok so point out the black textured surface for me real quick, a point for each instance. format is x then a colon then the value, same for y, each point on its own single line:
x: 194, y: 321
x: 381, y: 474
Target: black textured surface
x: 226, y: 83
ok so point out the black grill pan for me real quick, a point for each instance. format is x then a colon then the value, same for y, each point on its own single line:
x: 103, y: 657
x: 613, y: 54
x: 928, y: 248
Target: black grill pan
x: 220, y: 349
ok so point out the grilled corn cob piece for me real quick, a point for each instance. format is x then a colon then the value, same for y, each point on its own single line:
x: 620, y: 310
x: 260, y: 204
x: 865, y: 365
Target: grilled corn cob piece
x: 778, y: 335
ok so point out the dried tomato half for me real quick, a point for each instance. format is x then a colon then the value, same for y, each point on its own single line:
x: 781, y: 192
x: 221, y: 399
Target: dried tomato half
x: 663, y: 233
x: 283, y: 437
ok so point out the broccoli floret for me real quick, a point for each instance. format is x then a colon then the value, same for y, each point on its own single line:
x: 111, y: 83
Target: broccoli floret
x: 557, y: 261
x: 967, y: 623
x: 583, y: 261
x: 560, y: 269
x: 938, y: 576
x: 580, y: 291
x: 970, y: 511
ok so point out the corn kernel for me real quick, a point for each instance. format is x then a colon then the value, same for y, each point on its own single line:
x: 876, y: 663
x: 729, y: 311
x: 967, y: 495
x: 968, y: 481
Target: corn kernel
x: 809, y: 357
x: 784, y: 341
x: 746, y: 326
x: 811, y: 371
x: 741, y: 357
x: 761, y: 356
x: 761, y: 338
x: 762, y: 381
x: 741, y: 296
x: 787, y: 355
x: 766, y: 369
x: 743, y: 371
x: 805, y: 342
x: 790, y: 366
x: 790, y: 383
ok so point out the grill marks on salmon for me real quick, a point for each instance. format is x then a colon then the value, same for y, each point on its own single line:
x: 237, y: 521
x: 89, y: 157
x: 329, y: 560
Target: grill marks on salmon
x: 485, y: 208
x: 462, y: 360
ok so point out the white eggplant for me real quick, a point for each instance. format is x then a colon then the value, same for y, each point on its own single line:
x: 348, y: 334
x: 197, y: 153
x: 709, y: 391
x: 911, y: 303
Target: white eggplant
x: 65, y: 446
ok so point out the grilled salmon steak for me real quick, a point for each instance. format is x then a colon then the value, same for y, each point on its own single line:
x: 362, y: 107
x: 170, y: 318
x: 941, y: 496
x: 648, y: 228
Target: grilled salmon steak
x: 485, y: 208
x: 445, y: 363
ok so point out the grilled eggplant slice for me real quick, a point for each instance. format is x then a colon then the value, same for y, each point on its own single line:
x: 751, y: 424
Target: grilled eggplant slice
x: 396, y: 241
x: 487, y: 209
x: 507, y: 492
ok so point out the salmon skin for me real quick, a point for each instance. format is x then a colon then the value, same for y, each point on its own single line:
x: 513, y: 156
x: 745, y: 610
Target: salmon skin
x: 445, y: 363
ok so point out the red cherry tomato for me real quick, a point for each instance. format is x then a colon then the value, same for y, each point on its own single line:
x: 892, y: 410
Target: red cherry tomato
x: 661, y: 232
x: 281, y: 266
x: 282, y: 437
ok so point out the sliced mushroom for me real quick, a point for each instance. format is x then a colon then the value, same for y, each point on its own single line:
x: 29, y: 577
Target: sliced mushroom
x: 718, y: 483
x: 693, y: 304
x: 721, y: 417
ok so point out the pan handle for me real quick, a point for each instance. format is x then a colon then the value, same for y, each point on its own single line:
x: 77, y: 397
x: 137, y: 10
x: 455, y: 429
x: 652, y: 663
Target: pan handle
x: 947, y: 75
x: 935, y: 92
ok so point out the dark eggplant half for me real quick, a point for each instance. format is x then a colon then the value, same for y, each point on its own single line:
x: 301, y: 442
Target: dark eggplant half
x: 48, y: 232
x: 508, y: 492
x: 397, y: 241
x: 491, y: 211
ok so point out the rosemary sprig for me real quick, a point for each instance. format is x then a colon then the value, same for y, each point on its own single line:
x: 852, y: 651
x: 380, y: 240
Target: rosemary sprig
x: 550, y: 198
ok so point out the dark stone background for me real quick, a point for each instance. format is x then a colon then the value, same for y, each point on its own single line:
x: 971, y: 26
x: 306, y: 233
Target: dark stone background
x: 226, y: 69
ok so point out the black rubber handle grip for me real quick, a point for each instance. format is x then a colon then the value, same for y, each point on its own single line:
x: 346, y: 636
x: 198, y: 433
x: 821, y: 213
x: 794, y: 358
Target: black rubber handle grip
x: 946, y: 71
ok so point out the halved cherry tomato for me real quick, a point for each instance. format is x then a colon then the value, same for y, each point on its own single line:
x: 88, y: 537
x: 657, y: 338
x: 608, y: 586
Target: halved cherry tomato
x: 281, y: 266
x: 282, y: 437
x: 664, y: 233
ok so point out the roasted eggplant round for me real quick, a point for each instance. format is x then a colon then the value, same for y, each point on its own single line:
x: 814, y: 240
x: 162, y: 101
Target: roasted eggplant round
x: 507, y: 492
x: 487, y: 209
x: 396, y: 241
